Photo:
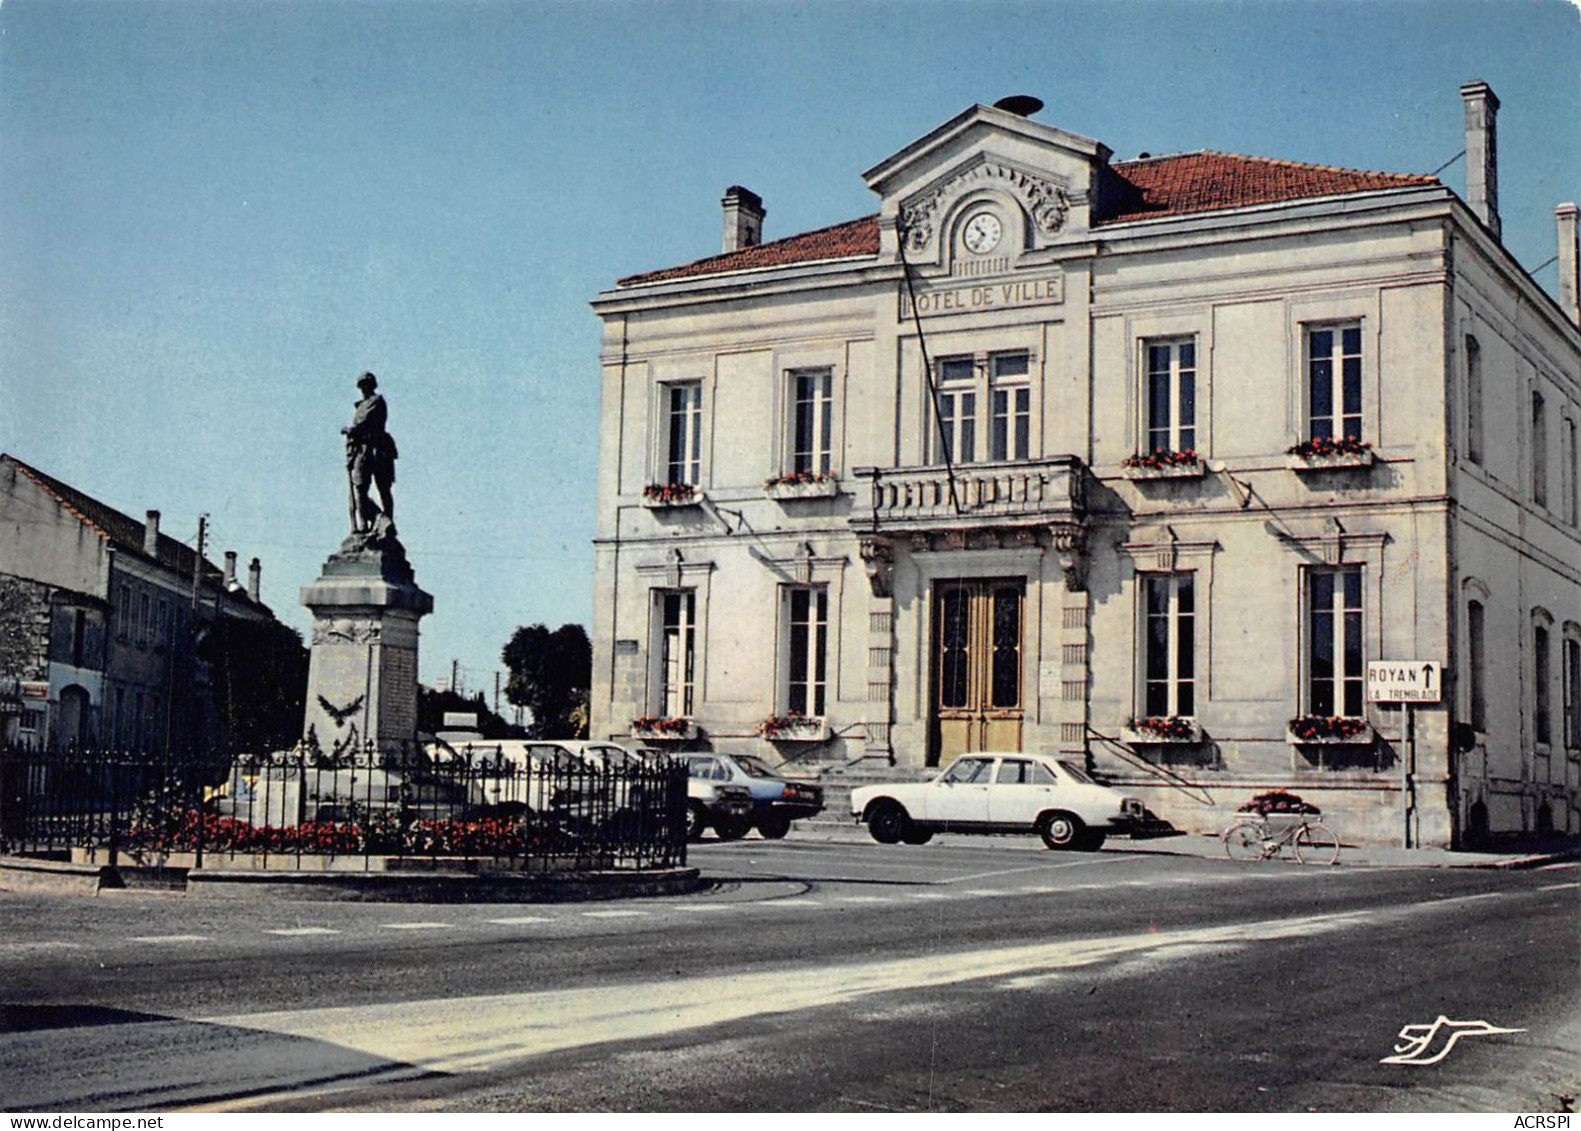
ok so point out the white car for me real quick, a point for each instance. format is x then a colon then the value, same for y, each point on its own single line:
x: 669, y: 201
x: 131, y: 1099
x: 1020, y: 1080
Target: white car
x: 998, y: 792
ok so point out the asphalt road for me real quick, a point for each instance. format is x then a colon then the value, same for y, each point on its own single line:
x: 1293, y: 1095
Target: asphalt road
x: 961, y: 975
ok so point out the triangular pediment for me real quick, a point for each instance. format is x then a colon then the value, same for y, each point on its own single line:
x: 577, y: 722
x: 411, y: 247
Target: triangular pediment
x: 1040, y: 179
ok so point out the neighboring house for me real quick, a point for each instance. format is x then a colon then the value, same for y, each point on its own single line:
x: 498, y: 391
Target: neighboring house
x: 1142, y: 461
x: 104, y: 622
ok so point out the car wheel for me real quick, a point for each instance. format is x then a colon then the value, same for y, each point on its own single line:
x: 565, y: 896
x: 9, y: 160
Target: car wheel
x: 733, y: 830
x: 887, y: 822
x: 915, y: 835
x: 1092, y: 841
x: 774, y: 826
x: 696, y: 820
x: 1061, y: 830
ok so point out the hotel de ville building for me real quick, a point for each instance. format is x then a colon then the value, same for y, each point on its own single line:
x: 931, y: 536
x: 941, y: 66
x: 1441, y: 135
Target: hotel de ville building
x: 1190, y: 466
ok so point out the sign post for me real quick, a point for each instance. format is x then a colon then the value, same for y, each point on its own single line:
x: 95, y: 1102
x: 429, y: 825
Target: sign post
x: 1406, y: 682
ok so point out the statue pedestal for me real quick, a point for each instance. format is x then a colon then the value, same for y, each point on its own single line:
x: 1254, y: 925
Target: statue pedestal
x: 362, y: 675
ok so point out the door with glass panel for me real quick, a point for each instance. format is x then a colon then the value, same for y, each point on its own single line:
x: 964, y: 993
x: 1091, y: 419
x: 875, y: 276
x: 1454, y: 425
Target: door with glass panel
x: 977, y: 647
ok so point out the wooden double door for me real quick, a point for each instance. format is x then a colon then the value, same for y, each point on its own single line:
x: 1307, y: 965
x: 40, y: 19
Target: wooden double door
x: 977, y: 666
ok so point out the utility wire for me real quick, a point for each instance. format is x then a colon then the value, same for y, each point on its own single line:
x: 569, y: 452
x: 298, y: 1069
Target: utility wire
x: 927, y: 367
x: 1447, y: 164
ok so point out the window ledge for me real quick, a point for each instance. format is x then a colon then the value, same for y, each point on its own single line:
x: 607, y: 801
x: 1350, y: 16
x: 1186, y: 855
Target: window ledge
x: 1338, y: 461
x: 810, y: 729
x: 1138, y: 736
x: 1192, y: 470
x: 1365, y: 737
x: 826, y: 488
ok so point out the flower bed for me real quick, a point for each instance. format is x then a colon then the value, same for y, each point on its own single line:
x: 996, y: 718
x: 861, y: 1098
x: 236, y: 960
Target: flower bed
x: 1162, y: 728
x: 1279, y: 802
x: 384, y: 835
x: 793, y: 728
x: 1163, y: 464
x: 1325, y: 452
x: 670, y: 495
x: 802, y: 485
x: 1328, y: 728
x: 663, y: 727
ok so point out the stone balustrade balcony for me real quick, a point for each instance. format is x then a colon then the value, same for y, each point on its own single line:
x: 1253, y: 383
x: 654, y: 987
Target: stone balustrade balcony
x: 1016, y: 493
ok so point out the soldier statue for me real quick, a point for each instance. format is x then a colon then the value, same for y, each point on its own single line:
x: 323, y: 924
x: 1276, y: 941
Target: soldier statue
x: 370, y: 460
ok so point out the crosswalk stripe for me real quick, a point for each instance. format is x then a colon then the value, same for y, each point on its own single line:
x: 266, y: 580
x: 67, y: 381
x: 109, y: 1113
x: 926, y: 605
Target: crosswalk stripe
x: 170, y: 938
x: 614, y: 914
x: 793, y: 903
x: 704, y: 907
x: 515, y: 920
x: 862, y: 899
x: 297, y: 931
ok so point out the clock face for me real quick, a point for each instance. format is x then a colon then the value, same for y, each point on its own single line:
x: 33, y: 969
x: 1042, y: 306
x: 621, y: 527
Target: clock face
x: 982, y: 233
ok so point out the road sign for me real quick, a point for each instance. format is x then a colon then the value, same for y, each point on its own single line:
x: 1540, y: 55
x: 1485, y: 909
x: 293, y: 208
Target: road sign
x: 1405, y: 681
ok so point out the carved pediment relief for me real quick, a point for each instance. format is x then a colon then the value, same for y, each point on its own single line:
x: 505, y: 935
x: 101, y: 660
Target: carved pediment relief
x: 1045, y: 199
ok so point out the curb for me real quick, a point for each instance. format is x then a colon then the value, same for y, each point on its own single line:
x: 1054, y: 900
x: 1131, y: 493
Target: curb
x: 59, y: 877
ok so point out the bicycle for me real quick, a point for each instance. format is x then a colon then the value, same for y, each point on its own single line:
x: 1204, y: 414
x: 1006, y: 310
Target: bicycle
x: 1254, y: 838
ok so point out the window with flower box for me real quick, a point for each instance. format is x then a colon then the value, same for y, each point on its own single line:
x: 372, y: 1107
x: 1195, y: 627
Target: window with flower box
x: 1333, y: 371
x: 675, y: 656
x: 1336, y: 661
x: 683, y: 423
x: 1171, y: 396
x: 812, y: 396
x: 1169, y: 609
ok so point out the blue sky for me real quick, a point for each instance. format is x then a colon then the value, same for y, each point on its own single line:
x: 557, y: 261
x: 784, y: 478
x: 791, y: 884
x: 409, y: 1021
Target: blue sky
x: 214, y: 215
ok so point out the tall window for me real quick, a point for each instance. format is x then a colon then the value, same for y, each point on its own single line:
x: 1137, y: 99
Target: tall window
x: 1336, y: 661
x: 1539, y: 450
x: 811, y: 449
x: 1543, y: 729
x: 807, y: 624
x: 1334, y: 382
x: 144, y: 617
x: 677, y: 651
x: 1573, y: 475
x: 1170, y: 645
x: 956, y: 440
x: 1473, y: 400
x: 123, y: 614
x: 1010, y: 398
x: 989, y: 395
x: 1171, y: 396
x: 1572, y: 694
x: 1476, y: 660
x: 684, y: 418
x: 79, y: 632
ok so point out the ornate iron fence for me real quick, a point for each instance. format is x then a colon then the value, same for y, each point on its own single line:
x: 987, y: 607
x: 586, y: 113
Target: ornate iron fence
x: 507, y: 809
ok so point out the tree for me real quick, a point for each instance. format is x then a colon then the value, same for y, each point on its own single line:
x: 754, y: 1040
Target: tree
x: 551, y: 674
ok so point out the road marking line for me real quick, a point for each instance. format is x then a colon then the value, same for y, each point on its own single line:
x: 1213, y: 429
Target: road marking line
x: 615, y: 914
x: 703, y: 907
x: 515, y: 920
x: 1042, y: 868
x: 170, y: 938
x: 414, y: 926
x: 990, y: 892
x: 471, y: 1034
x: 931, y: 895
x: 1559, y: 867
x: 792, y: 902
x: 30, y: 947
x: 295, y: 931
x: 1560, y: 887
x: 863, y: 899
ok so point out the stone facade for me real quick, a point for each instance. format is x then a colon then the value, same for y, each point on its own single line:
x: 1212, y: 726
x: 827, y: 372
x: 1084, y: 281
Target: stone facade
x: 1195, y: 450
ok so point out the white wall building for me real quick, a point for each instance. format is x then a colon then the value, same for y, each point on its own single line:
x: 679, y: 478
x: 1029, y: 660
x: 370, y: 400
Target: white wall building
x: 1143, y: 461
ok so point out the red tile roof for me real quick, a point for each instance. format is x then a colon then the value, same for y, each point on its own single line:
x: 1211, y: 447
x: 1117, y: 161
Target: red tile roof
x: 1176, y: 185
x: 855, y: 239
x: 1206, y: 182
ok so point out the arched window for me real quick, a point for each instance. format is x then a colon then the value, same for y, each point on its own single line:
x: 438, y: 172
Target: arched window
x: 1476, y: 665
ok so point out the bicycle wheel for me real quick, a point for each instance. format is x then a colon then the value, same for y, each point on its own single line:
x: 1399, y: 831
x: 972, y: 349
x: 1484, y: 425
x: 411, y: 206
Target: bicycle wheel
x: 1316, y: 845
x: 1246, y: 840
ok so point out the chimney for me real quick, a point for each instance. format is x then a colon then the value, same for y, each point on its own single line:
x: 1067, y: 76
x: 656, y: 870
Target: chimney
x: 230, y: 570
x: 1569, y: 267
x: 743, y: 218
x: 254, y: 571
x: 1482, y: 152
x: 151, y: 535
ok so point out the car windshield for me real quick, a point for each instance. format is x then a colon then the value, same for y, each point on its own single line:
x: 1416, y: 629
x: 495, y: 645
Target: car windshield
x: 612, y: 755
x: 754, y: 767
x: 1076, y: 773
